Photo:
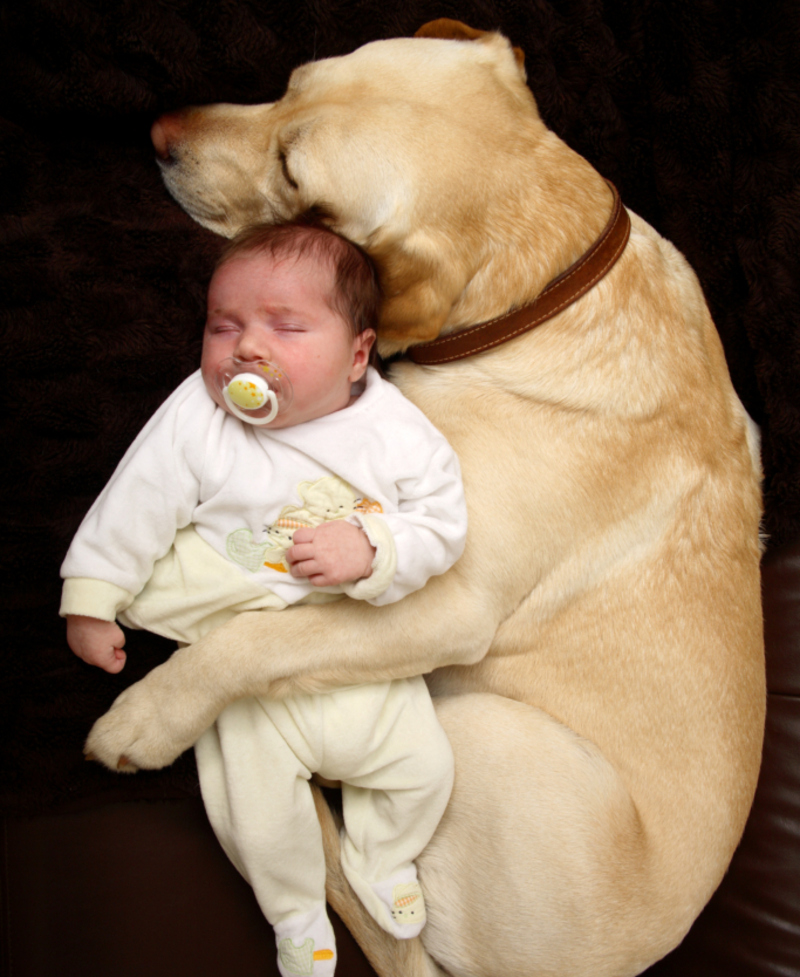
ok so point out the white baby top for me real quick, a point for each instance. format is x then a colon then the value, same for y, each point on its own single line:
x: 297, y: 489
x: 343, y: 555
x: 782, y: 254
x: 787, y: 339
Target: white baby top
x: 242, y: 490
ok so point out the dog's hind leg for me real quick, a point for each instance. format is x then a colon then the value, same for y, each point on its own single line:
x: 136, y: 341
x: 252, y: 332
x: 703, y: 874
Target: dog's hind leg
x: 541, y: 864
x: 389, y: 957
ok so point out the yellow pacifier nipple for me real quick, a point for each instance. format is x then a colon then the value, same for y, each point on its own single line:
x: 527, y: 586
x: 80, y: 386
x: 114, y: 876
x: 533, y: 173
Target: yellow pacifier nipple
x: 252, y: 390
x: 248, y: 391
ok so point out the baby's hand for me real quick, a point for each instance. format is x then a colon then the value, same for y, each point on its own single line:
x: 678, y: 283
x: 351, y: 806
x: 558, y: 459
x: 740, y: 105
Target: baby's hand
x: 97, y: 642
x: 333, y: 553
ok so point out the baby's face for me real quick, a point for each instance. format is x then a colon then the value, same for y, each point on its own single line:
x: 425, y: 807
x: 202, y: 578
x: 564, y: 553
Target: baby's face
x: 263, y: 309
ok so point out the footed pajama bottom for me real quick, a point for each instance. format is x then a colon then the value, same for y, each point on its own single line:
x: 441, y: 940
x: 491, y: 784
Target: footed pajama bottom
x: 385, y: 744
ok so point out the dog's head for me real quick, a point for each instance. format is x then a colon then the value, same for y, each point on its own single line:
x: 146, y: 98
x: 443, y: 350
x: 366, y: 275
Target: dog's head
x: 401, y: 144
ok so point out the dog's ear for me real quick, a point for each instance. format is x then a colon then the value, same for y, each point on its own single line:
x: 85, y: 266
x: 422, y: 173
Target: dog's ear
x: 450, y: 30
x: 418, y: 296
x: 454, y: 30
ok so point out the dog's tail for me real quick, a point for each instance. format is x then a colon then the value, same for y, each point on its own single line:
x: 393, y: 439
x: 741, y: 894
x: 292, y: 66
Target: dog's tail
x: 389, y: 957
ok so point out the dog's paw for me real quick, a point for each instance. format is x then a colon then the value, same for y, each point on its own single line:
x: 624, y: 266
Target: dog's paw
x: 136, y: 734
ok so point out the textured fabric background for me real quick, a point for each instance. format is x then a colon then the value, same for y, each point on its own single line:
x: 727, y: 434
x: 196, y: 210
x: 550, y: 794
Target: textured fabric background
x: 692, y: 107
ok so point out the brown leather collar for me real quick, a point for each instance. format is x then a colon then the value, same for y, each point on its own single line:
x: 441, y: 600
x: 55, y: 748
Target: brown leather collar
x: 562, y: 291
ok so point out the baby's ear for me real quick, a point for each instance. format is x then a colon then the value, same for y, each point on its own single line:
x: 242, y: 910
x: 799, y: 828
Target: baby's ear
x: 362, y: 345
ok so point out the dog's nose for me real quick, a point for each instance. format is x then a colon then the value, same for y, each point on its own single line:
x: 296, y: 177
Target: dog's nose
x: 165, y: 133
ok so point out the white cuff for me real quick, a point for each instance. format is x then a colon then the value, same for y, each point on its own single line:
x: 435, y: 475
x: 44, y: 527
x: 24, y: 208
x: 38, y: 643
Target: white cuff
x: 384, y: 564
x: 93, y: 598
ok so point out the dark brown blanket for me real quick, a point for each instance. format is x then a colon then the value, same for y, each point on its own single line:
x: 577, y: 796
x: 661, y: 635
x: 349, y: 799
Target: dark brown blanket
x: 692, y: 107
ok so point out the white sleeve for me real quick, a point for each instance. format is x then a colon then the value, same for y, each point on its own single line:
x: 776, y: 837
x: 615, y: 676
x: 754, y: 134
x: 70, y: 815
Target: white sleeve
x: 152, y: 494
x: 428, y: 531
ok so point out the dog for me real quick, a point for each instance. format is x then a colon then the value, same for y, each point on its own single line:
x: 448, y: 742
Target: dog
x: 596, y: 656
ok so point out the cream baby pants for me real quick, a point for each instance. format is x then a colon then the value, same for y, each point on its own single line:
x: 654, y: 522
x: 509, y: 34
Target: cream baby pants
x: 382, y: 741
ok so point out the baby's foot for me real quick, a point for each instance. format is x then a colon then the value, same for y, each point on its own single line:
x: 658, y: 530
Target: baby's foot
x: 306, y: 945
x: 402, y: 896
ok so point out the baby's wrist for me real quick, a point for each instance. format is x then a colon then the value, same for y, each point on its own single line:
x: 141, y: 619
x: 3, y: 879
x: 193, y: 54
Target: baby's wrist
x: 370, y: 554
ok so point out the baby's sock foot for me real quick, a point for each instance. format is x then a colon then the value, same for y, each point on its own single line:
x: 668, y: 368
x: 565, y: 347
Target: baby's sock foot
x: 402, y: 896
x: 306, y: 945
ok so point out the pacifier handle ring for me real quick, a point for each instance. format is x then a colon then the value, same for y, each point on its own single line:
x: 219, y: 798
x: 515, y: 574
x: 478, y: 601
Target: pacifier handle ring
x: 249, y: 419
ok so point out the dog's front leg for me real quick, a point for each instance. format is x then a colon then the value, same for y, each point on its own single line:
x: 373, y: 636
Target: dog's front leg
x: 304, y: 649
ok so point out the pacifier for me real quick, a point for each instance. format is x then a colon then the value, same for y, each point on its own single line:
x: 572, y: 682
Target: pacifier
x: 253, y: 390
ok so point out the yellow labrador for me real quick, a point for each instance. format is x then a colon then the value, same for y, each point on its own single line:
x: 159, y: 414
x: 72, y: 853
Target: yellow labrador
x: 597, y: 653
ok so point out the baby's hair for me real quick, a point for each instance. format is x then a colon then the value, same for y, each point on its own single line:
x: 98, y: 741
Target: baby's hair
x: 356, y: 291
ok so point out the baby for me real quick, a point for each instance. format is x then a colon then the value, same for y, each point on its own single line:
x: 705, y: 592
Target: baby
x: 287, y: 471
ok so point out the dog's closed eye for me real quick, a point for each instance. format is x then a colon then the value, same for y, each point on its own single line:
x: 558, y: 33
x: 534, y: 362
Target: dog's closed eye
x: 285, y: 169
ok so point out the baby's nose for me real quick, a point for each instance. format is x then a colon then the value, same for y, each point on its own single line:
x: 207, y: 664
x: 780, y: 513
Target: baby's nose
x: 252, y: 347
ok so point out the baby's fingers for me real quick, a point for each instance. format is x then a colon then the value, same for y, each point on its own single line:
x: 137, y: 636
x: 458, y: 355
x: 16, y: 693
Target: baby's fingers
x: 303, y: 567
x: 114, y: 662
x: 299, y: 553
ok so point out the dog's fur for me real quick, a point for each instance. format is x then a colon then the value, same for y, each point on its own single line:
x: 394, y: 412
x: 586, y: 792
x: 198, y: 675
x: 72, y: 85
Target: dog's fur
x: 597, y: 653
